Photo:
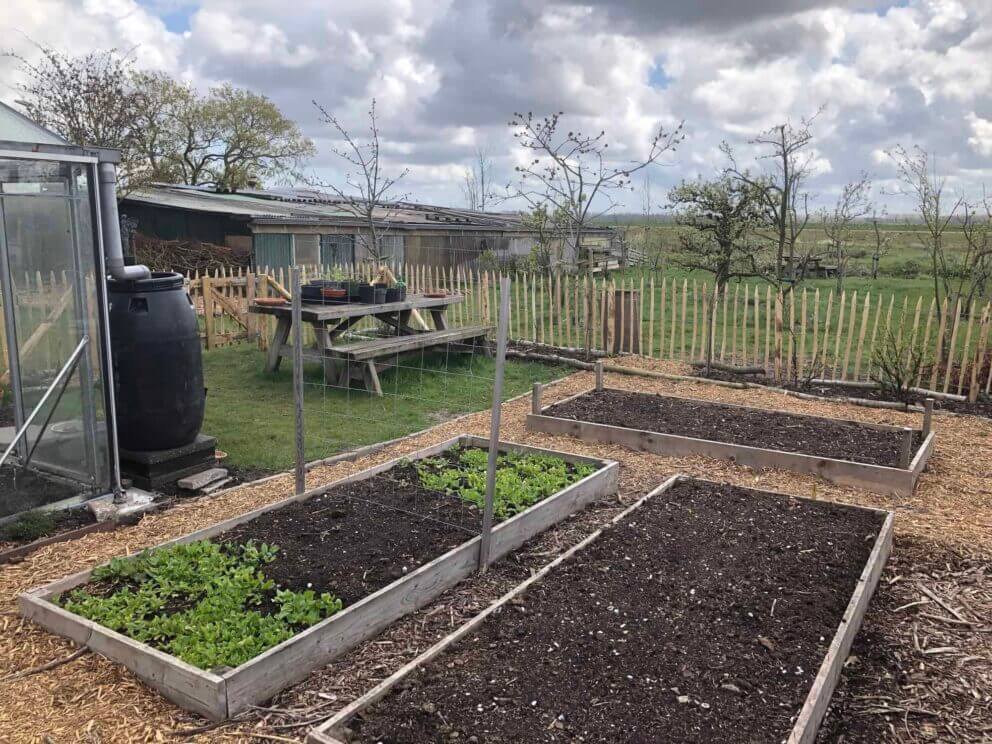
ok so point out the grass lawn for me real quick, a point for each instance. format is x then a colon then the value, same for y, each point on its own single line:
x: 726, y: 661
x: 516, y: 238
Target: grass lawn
x: 251, y: 411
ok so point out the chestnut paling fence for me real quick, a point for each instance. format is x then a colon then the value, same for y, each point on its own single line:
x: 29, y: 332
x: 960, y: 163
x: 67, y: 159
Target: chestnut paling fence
x: 806, y: 333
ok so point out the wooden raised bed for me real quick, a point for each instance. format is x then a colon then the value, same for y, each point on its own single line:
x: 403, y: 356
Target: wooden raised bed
x: 218, y: 696
x: 336, y: 730
x: 897, y: 481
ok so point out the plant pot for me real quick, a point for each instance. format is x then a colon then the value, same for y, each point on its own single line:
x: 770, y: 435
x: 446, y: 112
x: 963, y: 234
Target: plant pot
x: 366, y: 293
x: 395, y: 294
x: 352, y: 287
x: 380, y: 295
x: 334, y: 294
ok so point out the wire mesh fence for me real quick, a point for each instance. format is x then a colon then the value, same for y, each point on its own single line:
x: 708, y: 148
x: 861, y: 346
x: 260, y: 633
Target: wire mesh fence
x: 374, y: 360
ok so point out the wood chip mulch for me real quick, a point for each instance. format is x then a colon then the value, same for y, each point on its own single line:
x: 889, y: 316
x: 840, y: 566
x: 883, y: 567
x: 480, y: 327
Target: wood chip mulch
x: 921, y: 669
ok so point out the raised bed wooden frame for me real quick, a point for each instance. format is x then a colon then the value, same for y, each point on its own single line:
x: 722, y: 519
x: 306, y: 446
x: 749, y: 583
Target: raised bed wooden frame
x: 333, y: 731
x: 221, y: 695
x: 882, y: 479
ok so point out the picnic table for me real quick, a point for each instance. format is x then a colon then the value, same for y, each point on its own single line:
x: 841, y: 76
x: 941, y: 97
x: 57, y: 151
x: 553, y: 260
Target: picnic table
x: 364, y: 358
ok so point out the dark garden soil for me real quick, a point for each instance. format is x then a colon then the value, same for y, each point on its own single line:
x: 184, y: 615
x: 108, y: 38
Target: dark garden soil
x: 25, y: 489
x: 702, y: 617
x: 721, y: 423
x: 361, y: 536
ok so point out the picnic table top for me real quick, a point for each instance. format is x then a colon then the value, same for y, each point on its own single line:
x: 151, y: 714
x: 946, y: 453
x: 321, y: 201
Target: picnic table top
x: 319, y: 312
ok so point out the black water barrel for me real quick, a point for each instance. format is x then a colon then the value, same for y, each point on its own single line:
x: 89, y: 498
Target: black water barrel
x: 158, y: 365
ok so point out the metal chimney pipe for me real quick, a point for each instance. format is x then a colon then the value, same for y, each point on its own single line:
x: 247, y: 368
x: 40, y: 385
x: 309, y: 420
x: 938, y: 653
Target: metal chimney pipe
x: 111, y: 224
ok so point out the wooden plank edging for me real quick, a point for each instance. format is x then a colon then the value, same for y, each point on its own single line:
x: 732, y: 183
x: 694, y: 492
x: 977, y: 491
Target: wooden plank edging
x: 327, y: 732
x: 815, y: 707
x: 219, y: 696
x: 334, y: 730
x: 877, y: 478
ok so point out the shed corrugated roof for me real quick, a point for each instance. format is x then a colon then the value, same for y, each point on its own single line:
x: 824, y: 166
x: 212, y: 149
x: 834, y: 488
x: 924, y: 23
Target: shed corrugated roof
x: 306, y: 206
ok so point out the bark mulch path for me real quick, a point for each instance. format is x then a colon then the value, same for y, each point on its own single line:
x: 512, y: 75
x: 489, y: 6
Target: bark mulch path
x: 720, y: 423
x: 94, y: 700
x: 702, y: 617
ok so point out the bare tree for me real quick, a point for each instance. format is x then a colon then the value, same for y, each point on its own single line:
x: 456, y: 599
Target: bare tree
x: 647, y: 202
x: 882, y: 243
x: 370, y: 190
x: 853, y: 203
x: 921, y: 182
x: 88, y: 100
x: 786, y: 204
x: 165, y: 130
x: 572, y: 172
x: 478, y: 182
x: 969, y: 273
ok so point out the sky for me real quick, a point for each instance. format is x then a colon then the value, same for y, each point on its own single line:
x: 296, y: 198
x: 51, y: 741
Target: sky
x: 449, y: 74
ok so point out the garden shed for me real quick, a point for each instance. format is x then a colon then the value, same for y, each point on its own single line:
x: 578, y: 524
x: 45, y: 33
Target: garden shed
x: 301, y: 226
x: 56, y: 400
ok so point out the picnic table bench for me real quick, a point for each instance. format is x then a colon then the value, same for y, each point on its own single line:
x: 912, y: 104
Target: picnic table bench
x: 363, y: 359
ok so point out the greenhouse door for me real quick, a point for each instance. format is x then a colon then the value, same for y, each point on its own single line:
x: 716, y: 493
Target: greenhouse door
x: 48, y: 280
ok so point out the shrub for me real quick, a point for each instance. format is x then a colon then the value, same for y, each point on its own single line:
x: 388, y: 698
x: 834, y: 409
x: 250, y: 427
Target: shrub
x: 897, y: 364
x: 908, y: 269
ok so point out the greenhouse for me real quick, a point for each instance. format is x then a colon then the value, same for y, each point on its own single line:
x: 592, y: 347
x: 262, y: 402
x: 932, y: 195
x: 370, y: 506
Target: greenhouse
x: 56, y: 435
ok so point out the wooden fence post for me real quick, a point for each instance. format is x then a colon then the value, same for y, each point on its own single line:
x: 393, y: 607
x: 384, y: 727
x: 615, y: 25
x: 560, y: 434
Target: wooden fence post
x: 208, y: 308
x: 906, y: 450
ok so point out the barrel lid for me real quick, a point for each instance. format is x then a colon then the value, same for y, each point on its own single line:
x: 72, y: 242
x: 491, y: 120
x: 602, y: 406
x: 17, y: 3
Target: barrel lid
x: 160, y: 281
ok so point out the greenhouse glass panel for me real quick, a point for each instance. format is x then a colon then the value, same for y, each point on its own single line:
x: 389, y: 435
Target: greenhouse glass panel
x: 51, y: 342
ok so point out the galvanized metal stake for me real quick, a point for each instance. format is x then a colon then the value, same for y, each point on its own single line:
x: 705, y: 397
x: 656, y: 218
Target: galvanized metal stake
x: 301, y: 463
x: 501, y: 332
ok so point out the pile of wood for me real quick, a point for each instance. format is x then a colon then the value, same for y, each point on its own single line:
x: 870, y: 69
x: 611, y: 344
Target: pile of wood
x: 186, y: 256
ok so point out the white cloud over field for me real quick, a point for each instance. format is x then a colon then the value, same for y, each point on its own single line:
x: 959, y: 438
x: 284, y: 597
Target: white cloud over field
x: 448, y: 74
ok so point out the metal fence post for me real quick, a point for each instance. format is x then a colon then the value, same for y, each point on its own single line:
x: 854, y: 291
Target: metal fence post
x: 487, y: 514
x: 301, y: 467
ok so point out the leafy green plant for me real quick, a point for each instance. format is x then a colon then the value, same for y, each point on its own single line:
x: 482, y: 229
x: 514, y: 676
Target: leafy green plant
x: 521, y: 480
x: 200, y: 601
x: 29, y: 526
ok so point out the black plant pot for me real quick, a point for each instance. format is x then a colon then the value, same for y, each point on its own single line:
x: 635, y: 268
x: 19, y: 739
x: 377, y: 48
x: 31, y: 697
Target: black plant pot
x: 380, y: 295
x: 353, y: 285
x: 395, y: 294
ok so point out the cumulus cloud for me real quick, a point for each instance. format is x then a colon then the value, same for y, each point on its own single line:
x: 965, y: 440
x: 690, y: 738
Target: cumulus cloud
x: 448, y: 74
